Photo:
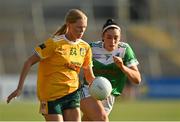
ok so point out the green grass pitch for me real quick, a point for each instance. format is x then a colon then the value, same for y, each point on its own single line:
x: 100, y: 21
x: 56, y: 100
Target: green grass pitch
x: 146, y: 110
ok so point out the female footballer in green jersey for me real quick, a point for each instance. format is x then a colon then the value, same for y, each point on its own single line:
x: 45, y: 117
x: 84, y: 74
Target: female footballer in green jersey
x: 114, y: 60
x: 60, y: 59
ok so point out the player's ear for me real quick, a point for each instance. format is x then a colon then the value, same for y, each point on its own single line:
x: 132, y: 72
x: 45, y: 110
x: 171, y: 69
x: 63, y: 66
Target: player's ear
x: 102, y: 36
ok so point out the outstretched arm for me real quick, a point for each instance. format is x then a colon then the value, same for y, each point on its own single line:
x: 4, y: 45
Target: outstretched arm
x: 132, y: 72
x: 27, y: 65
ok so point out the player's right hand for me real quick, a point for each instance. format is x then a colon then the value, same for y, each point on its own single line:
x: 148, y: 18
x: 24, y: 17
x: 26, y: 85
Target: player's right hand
x: 14, y: 95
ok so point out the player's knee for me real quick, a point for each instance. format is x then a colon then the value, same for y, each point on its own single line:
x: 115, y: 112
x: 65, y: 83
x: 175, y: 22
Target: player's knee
x: 103, y: 117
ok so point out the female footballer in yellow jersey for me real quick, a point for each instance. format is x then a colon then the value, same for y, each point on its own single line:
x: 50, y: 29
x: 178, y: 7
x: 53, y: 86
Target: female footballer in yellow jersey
x: 60, y: 59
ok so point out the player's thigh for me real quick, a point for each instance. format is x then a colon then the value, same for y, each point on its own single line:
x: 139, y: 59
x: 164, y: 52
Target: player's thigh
x: 53, y: 117
x: 72, y: 114
x: 71, y: 107
x: 92, y: 108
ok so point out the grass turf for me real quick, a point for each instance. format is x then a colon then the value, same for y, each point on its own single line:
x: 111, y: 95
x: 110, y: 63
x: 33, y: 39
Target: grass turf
x: 146, y: 110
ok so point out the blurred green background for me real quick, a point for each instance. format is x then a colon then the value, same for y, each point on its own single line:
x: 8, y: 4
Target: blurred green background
x: 148, y: 110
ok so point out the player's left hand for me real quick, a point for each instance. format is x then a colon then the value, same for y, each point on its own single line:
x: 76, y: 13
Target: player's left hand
x: 14, y: 95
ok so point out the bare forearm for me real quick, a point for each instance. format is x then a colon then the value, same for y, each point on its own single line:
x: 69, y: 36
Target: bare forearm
x: 27, y: 65
x: 132, y: 74
x: 23, y: 74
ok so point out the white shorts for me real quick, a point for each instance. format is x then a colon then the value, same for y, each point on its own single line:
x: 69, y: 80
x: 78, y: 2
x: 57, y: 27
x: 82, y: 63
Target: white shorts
x: 107, y: 103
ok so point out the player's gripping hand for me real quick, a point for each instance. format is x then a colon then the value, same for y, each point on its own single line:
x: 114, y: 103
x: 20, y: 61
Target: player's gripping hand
x: 14, y: 95
x: 118, y: 61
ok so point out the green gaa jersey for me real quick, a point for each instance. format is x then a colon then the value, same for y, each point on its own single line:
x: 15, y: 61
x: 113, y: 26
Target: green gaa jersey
x: 103, y: 64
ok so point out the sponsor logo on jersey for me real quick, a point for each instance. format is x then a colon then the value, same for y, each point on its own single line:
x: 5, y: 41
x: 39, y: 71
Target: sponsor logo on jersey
x: 74, y: 66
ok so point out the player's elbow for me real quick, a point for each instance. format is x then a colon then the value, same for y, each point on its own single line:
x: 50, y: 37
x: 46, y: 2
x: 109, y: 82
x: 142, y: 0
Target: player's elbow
x: 138, y: 79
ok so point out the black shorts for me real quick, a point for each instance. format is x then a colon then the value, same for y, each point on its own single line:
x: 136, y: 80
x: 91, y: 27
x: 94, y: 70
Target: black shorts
x: 57, y: 106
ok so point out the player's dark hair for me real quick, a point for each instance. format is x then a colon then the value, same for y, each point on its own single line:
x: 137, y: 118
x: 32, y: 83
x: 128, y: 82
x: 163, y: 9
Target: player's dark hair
x: 110, y: 23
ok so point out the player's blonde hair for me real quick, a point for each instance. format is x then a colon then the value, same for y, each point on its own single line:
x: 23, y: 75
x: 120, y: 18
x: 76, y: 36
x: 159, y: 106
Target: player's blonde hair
x: 71, y: 17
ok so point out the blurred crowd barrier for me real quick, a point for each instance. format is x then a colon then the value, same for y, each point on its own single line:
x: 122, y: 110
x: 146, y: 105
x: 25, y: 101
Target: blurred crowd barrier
x: 9, y: 83
x: 153, y: 88
x: 159, y: 88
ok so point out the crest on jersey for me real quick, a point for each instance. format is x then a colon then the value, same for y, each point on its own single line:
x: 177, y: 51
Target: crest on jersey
x: 82, y: 51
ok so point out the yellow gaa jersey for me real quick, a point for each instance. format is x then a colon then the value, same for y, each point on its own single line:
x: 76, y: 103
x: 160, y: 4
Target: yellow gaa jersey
x: 61, y: 62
